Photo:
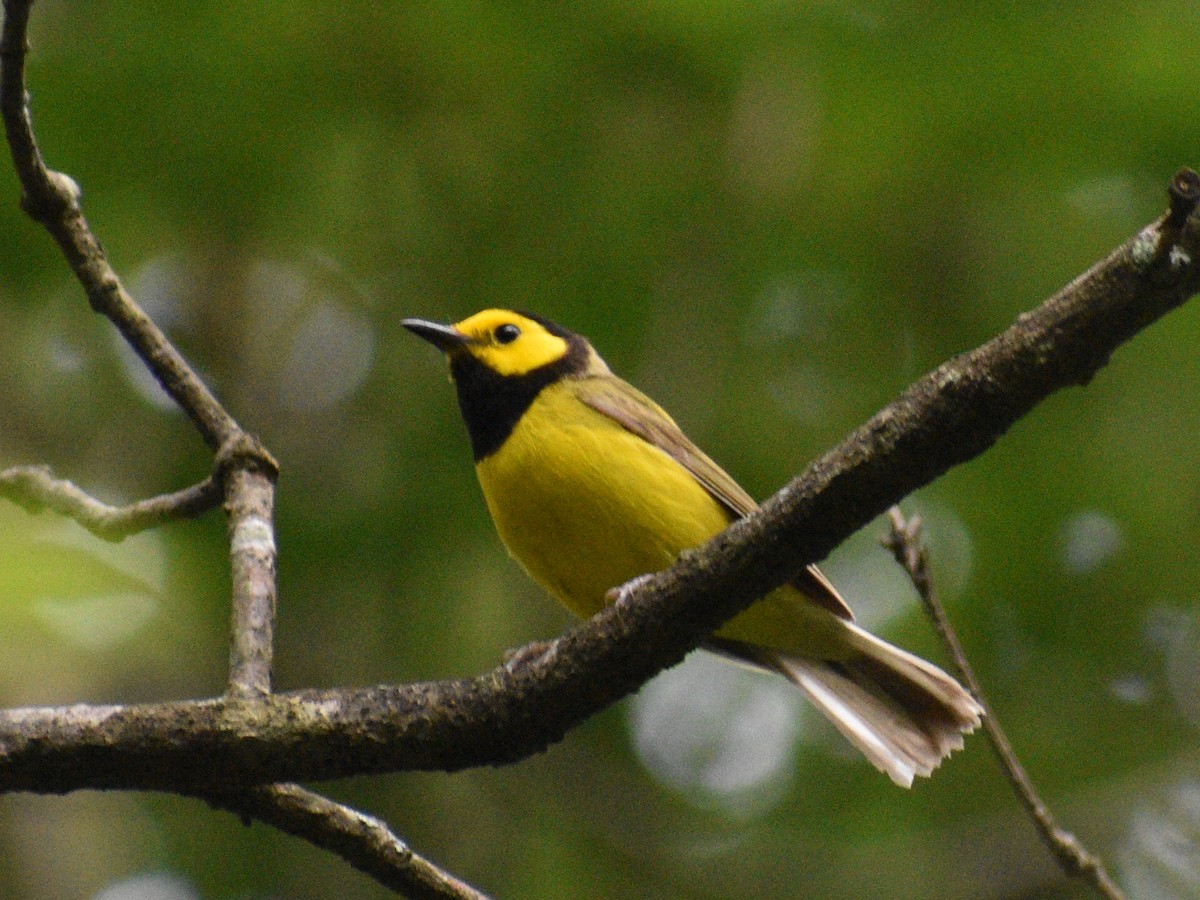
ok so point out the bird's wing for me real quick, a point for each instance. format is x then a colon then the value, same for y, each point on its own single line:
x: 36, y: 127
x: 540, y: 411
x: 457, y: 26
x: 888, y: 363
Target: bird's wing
x: 638, y: 414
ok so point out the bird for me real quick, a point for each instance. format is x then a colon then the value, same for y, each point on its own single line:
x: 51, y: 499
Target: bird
x: 591, y: 484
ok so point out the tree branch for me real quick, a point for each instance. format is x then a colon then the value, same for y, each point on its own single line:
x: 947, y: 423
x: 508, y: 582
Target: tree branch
x: 246, y: 474
x: 363, y: 841
x: 904, y: 541
x: 251, y: 737
x: 52, y: 199
x: 34, y: 488
x: 945, y: 418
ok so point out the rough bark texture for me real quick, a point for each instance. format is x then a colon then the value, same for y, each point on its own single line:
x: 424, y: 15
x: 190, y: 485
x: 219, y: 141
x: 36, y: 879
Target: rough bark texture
x: 947, y: 417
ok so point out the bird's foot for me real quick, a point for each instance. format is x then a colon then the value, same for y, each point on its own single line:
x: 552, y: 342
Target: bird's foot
x: 535, y: 652
x: 619, y: 595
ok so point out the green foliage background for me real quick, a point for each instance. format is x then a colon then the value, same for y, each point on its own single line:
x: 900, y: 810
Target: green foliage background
x: 770, y: 216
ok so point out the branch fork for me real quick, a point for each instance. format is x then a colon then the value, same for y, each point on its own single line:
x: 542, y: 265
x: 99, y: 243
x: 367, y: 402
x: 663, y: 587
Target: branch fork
x: 259, y: 740
x: 244, y: 477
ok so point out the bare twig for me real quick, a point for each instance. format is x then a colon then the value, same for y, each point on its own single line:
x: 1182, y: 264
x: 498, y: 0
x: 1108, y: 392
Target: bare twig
x: 245, y: 476
x: 204, y: 747
x: 948, y: 416
x: 52, y: 199
x: 363, y: 841
x: 247, y: 469
x: 248, y: 472
x: 904, y: 541
x: 35, y: 488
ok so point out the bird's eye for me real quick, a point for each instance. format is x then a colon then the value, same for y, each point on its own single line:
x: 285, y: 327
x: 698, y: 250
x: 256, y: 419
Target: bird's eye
x: 507, y: 333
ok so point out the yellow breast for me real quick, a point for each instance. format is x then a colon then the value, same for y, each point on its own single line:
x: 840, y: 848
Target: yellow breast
x: 585, y: 506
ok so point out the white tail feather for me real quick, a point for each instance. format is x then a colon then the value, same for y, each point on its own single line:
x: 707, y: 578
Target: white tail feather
x: 850, y: 723
x: 904, y: 714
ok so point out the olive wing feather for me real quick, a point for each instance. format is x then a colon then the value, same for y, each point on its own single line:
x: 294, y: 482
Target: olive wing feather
x: 638, y: 414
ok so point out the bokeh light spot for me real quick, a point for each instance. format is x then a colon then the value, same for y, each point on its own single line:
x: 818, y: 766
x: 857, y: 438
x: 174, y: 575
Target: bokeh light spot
x: 1088, y: 540
x: 330, y: 355
x: 1161, y: 855
x: 720, y: 734
x: 149, y: 886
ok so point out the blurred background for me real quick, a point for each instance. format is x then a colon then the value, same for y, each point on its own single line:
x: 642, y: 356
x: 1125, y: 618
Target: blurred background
x: 771, y: 217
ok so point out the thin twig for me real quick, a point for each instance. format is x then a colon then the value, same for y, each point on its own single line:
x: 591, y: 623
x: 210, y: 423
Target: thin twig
x: 945, y: 418
x: 980, y: 395
x: 52, y: 199
x: 34, y: 488
x: 904, y: 541
x: 248, y: 473
x: 245, y: 476
x: 363, y: 841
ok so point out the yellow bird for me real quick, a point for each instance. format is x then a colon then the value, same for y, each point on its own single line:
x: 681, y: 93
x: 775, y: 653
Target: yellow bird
x: 591, y: 484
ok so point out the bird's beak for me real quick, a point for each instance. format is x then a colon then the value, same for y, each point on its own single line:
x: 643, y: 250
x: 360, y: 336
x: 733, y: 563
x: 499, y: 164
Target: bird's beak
x: 444, y: 337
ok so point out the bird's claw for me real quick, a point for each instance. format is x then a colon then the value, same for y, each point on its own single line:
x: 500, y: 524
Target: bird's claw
x: 522, y: 657
x: 619, y: 595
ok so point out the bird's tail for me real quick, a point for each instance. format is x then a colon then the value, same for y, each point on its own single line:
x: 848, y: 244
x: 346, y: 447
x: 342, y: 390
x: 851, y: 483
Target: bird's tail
x: 905, y: 714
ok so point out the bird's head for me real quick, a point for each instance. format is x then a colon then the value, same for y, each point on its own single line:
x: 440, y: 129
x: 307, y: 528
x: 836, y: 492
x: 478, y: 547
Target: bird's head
x: 506, y: 343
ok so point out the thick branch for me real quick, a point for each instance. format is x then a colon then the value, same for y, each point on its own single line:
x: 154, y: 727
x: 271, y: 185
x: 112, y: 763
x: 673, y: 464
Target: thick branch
x: 945, y: 418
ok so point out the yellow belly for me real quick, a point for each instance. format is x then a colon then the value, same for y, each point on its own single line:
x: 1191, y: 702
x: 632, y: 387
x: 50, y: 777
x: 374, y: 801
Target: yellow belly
x: 584, y: 505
